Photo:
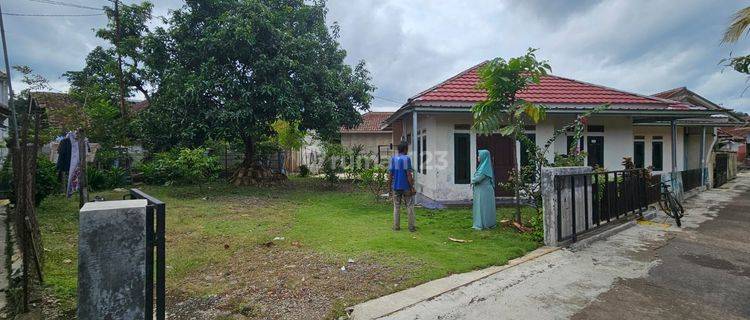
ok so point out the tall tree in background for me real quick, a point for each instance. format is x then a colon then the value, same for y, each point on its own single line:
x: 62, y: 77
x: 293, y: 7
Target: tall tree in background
x: 229, y: 69
x: 99, y: 78
x: 738, y: 27
x: 97, y: 86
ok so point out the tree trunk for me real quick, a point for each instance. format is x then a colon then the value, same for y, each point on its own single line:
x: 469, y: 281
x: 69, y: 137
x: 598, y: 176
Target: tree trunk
x: 253, y: 173
x: 515, y: 189
x: 249, y: 152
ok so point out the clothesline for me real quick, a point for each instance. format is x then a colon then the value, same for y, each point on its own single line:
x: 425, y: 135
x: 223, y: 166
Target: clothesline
x: 69, y: 161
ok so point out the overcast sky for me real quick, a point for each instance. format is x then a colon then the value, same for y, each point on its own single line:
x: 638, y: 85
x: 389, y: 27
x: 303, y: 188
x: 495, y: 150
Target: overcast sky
x: 638, y: 46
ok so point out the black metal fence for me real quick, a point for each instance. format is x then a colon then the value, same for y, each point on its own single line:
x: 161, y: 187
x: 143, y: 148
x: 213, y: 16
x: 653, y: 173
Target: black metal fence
x: 721, y: 166
x: 155, y: 239
x: 605, y: 197
x: 691, y: 179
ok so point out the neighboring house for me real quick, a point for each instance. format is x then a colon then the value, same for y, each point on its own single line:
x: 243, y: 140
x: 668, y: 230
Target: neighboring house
x: 59, y: 108
x: 740, y: 136
x: 695, y: 128
x: 369, y: 134
x: 137, y: 106
x: 4, y: 115
x: 642, y: 127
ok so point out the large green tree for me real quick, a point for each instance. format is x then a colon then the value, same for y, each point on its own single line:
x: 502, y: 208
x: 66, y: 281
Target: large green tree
x: 228, y: 69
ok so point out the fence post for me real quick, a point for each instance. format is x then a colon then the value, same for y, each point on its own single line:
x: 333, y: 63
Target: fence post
x: 549, y: 206
x: 560, y: 216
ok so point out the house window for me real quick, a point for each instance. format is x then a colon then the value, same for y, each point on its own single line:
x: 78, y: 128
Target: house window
x: 462, y: 158
x: 639, y: 152
x: 657, y: 153
x: 595, y: 128
x: 424, y: 152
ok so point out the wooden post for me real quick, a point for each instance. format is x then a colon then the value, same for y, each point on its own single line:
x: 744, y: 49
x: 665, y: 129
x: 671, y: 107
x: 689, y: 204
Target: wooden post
x: 83, y: 192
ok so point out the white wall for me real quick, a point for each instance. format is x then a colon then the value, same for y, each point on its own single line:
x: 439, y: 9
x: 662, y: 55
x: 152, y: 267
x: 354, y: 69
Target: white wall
x: 370, y: 140
x: 439, y: 183
x: 618, y: 137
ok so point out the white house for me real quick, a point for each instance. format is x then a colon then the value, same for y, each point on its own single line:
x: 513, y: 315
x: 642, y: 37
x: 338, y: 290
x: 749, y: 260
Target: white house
x: 4, y: 114
x: 664, y: 134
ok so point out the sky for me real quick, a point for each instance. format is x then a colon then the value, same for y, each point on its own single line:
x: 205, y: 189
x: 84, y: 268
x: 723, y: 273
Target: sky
x: 638, y: 46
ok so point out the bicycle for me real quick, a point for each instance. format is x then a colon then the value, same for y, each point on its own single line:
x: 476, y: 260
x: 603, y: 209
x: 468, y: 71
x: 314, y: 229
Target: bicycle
x: 669, y: 203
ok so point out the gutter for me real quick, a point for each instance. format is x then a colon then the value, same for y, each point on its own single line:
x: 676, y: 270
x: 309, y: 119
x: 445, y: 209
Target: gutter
x: 458, y: 109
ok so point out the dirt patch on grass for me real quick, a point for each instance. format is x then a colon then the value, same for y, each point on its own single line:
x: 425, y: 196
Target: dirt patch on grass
x: 283, y: 282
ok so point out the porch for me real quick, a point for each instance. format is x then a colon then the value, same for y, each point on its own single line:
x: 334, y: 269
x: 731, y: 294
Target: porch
x: 443, y: 147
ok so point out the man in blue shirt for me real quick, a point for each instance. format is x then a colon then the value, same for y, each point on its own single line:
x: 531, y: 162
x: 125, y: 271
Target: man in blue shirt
x: 401, y: 179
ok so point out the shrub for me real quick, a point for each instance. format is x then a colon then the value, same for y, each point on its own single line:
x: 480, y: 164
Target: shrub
x: 101, y: 179
x: 46, y: 179
x: 181, y: 166
x: 304, y: 171
x: 196, y: 166
x: 333, y: 161
x: 375, y: 180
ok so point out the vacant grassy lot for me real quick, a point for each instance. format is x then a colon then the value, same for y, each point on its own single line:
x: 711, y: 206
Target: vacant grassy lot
x: 299, y: 250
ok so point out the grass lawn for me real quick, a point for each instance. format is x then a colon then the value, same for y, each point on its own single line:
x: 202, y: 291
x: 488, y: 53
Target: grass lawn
x: 223, y: 261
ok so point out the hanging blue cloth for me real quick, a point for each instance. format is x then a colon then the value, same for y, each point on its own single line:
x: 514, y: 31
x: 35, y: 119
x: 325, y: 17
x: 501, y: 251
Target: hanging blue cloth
x: 483, y: 207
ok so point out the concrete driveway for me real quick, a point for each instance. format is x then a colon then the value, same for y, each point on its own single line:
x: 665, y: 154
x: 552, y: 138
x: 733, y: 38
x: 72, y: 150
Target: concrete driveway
x: 650, y: 271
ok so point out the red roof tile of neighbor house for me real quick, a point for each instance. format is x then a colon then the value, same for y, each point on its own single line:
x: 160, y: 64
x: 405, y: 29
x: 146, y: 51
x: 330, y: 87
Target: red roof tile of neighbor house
x: 138, y: 106
x: 371, y: 122
x: 550, y: 90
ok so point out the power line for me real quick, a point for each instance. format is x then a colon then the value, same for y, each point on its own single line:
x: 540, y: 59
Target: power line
x: 66, y: 4
x: 50, y: 15
x: 386, y: 99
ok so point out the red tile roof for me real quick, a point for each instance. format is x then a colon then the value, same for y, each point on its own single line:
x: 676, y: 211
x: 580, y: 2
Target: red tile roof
x: 138, y: 106
x: 550, y: 90
x: 371, y: 122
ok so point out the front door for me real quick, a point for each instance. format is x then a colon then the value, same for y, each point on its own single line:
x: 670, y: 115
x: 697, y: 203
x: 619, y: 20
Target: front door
x: 503, y: 152
x: 595, y: 151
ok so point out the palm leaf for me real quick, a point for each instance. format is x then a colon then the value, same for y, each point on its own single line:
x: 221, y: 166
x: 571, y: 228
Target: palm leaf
x: 740, y: 22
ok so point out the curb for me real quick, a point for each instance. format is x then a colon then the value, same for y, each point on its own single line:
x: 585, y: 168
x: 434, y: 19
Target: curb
x: 395, y: 302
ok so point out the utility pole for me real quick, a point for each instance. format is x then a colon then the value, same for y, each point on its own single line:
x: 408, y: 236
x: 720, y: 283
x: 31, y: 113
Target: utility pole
x: 14, y: 118
x: 123, y: 108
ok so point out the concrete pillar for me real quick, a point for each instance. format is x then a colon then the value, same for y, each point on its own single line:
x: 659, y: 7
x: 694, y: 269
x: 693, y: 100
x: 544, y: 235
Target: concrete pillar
x: 550, y: 202
x: 112, y: 260
x: 702, y: 155
x: 414, y: 143
x: 673, y: 125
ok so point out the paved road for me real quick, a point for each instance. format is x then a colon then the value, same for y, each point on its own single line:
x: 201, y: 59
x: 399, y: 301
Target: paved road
x: 650, y: 271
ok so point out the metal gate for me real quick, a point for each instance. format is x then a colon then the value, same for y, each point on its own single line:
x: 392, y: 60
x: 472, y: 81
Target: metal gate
x: 720, y: 169
x: 155, y: 210
x: 587, y: 201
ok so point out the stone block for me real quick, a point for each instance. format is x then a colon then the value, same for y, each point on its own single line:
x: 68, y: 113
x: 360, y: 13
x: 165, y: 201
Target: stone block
x: 112, y: 260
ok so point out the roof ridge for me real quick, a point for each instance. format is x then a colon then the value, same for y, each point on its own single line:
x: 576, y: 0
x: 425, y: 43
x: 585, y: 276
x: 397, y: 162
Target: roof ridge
x: 447, y: 80
x: 670, y: 91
